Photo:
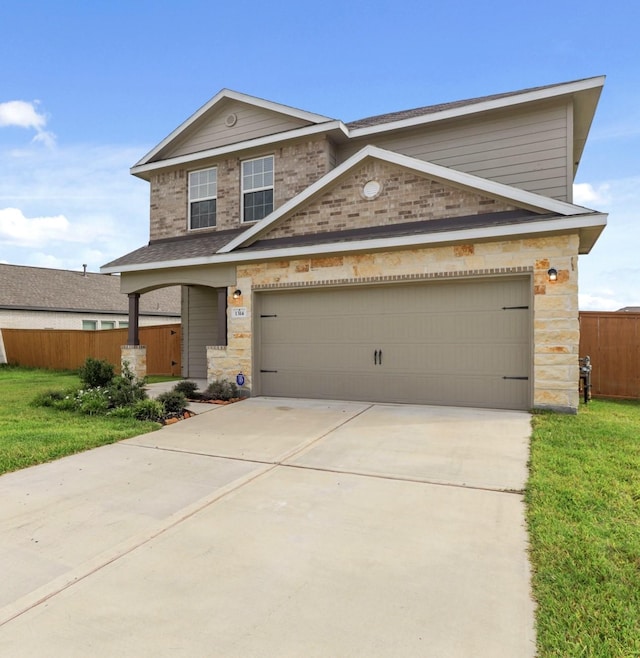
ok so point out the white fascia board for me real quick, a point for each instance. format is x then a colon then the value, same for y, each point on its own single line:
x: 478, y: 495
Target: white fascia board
x: 237, y: 96
x: 509, y: 231
x: 483, y: 106
x: 240, y: 146
x: 529, y: 200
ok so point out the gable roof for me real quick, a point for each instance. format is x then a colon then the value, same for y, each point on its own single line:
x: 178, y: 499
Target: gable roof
x: 585, y: 94
x: 44, y: 289
x: 219, y: 98
x: 519, y: 197
x: 537, y: 215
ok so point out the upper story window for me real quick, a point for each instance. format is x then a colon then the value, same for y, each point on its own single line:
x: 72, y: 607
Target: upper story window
x: 203, y: 192
x: 257, y: 188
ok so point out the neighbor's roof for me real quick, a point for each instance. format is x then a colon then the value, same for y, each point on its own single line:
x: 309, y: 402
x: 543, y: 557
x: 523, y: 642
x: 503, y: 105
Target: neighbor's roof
x: 43, y: 289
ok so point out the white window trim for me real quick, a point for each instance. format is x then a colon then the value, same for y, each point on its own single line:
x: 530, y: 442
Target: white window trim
x: 190, y: 200
x: 243, y: 191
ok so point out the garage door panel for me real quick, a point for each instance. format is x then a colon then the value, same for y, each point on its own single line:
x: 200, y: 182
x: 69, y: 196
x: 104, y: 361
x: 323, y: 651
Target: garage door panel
x: 450, y: 342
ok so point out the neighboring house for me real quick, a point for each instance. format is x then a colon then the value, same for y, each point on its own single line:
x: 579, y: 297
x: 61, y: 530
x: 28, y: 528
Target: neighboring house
x: 424, y: 256
x: 43, y: 298
x: 629, y: 309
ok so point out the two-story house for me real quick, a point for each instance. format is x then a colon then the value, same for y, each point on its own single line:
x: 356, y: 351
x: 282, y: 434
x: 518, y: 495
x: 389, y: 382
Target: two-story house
x: 423, y: 256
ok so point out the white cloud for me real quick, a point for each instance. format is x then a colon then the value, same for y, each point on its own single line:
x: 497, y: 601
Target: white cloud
x: 586, y: 194
x: 22, y: 114
x: 18, y: 230
x: 71, y: 205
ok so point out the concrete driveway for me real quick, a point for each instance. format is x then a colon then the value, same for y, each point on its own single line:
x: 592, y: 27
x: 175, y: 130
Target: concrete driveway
x: 276, y: 527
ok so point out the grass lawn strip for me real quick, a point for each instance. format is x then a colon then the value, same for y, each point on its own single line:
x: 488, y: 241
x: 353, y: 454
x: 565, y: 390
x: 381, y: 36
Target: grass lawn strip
x: 583, y: 500
x: 33, y: 435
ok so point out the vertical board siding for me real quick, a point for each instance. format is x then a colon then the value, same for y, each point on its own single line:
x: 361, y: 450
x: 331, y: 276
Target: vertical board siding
x: 68, y: 349
x: 612, y: 340
x: 526, y: 149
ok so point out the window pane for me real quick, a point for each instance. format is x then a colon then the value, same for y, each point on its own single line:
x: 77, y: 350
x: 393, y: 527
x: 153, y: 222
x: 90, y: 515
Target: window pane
x: 257, y: 205
x: 203, y: 214
x: 203, y: 184
x: 90, y: 325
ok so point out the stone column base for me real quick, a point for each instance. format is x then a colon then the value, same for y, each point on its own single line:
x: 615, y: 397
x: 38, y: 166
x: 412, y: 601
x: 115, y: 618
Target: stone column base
x: 136, y: 358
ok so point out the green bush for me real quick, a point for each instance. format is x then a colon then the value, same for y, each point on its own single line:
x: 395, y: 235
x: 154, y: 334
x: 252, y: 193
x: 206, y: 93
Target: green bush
x: 125, y: 390
x: 148, y: 410
x: 172, y: 401
x: 187, y: 388
x: 48, y: 399
x: 93, y: 401
x: 95, y: 373
x: 221, y: 389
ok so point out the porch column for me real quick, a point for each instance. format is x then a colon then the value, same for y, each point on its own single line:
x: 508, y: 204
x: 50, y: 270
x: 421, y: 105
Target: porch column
x: 133, y: 354
x: 222, y: 316
x: 134, y: 308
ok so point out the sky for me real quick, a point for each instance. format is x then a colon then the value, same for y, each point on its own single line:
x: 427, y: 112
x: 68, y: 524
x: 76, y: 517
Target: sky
x: 88, y: 88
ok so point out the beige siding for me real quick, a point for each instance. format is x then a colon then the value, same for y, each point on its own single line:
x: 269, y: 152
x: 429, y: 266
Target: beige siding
x: 200, y: 306
x: 526, y: 149
x: 251, y: 122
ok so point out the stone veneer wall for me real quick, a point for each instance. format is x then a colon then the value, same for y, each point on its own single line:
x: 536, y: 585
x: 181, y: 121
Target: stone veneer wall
x: 296, y: 166
x: 555, y: 316
x: 136, y: 357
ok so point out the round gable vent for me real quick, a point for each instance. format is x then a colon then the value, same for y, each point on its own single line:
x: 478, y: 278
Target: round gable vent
x: 371, y: 189
x: 230, y: 120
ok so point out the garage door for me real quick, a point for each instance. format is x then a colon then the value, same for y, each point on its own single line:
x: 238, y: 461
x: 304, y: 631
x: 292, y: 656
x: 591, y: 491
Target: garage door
x: 462, y: 343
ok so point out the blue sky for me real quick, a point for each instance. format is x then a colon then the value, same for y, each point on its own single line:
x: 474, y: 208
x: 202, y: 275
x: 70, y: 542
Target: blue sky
x: 87, y: 88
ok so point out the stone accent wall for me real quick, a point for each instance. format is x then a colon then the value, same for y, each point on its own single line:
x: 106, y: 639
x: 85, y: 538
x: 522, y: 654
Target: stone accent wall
x: 555, y: 313
x: 405, y: 197
x: 136, y: 357
x: 296, y: 166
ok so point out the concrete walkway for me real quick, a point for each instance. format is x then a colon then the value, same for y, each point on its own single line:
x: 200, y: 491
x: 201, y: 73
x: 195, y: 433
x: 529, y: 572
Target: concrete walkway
x: 276, y: 527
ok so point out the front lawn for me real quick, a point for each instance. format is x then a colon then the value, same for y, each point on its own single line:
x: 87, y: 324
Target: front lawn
x: 32, y: 435
x: 583, y: 500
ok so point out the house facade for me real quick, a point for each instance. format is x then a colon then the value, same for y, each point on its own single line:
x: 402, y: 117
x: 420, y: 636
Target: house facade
x: 426, y: 256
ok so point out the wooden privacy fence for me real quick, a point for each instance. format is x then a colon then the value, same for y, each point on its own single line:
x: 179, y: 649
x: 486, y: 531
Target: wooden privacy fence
x: 67, y: 349
x: 612, y: 340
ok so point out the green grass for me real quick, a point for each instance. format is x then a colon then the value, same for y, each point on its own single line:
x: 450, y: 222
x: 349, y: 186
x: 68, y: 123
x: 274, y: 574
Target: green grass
x: 583, y: 500
x: 32, y: 435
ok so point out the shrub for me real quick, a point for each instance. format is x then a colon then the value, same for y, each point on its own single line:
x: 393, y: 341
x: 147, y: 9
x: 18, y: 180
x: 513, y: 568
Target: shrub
x: 126, y: 390
x: 148, y: 410
x: 93, y: 401
x: 187, y: 388
x: 95, y: 373
x: 48, y: 399
x: 172, y: 401
x: 221, y: 389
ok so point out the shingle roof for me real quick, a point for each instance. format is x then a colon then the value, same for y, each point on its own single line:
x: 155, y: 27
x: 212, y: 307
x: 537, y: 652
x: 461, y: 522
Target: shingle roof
x: 38, y: 288
x: 175, y: 249
x: 432, y: 109
x: 422, y: 227
x: 191, y: 246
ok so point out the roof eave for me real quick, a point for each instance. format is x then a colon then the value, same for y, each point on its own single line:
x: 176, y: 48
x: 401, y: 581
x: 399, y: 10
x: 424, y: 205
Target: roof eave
x: 588, y: 226
x: 568, y: 88
x: 142, y: 170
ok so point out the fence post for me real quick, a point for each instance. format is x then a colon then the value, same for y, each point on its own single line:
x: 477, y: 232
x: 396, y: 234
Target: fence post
x: 3, y: 354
